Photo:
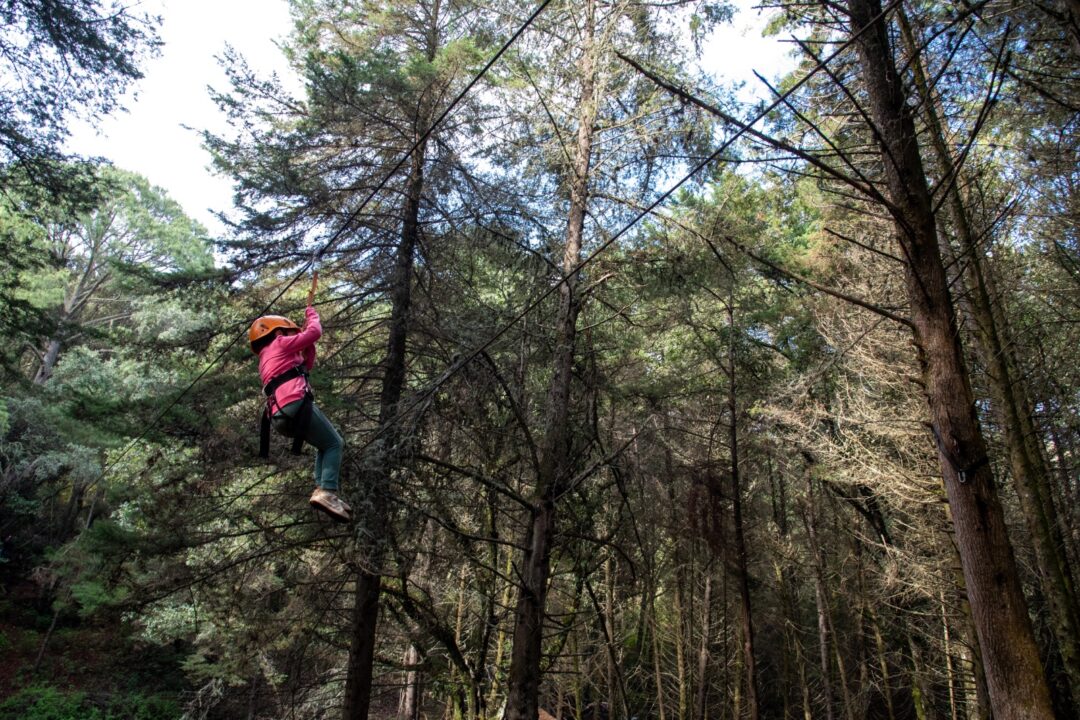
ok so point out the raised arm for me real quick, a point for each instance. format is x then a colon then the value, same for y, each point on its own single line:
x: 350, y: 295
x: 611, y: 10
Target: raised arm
x: 306, y: 338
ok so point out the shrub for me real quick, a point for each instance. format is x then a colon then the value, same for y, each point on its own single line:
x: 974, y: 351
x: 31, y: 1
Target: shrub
x: 43, y: 702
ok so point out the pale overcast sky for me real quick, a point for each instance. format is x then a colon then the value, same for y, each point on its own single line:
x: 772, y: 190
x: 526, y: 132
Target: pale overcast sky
x: 150, y: 138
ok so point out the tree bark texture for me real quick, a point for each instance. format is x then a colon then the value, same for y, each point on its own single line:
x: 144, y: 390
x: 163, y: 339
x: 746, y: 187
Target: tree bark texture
x: 383, y: 457
x: 1014, y: 670
x: 523, y: 682
x: 1030, y: 474
x: 821, y: 601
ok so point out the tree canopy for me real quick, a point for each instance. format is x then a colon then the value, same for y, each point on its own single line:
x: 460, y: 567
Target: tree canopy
x: 655, y: 403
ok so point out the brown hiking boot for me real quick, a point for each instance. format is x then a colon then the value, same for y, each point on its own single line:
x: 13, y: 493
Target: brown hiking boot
x: 330, y: 504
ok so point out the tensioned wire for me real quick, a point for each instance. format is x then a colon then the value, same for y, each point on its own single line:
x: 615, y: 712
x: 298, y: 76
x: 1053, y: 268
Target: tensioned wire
x: 465, y: 359
x: 334, y: 237
x: 455, y: 367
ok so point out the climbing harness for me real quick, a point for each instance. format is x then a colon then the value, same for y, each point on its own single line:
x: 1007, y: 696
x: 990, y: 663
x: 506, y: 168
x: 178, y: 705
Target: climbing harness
x: 297, y: 426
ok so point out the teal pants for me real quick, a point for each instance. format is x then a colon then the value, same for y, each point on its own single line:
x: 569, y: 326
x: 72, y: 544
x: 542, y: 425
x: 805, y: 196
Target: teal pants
x: 323, y: 437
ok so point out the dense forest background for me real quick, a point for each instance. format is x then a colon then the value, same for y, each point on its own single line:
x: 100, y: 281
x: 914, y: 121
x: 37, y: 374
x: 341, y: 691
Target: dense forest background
x: 657, y: 405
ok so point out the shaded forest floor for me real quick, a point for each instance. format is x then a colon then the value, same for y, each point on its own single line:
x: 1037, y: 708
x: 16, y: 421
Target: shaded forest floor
x: 89, y: 671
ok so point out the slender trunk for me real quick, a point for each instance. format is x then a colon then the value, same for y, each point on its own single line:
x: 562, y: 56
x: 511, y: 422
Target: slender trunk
x: 500, y: 638
x: 661, y: 705
x: 409, y: 704
x: 734, y: 685
x: 609, y: 632
x: 883, y: 663
x: 950, y: 674
x: 48, y: 361
x: 383, y: 458
x: 703, y: 651
x: 841, y: 672
x: 412, y: 685
x: 818, y: 569
x: 808, y: 713
x: 741, y: 556
x: 1030, y: 474
x: 1013, y: 668
x: 978, y: 697
x: 782, y: 571
x: 680, y: 655
x: 45, y: 641
x: 554, y: 465
x: 823, y: 644
x: 579, y: 689
x: 459, y: 677
x: 921, y: 693
x: 792, y: 641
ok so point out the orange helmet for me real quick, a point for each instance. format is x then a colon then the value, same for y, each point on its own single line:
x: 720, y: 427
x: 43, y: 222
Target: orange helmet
x: 268, y: 324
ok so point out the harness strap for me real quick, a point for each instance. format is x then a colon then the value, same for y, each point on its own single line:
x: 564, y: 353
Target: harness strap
x: 278, y: 380
x: 298, y: 425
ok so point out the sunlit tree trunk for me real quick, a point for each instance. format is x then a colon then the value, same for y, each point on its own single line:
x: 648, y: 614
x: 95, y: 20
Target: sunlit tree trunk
x: 1029, y: 472
x: 1013, y: 668
x: 680, y: 623
x: 409, y: 705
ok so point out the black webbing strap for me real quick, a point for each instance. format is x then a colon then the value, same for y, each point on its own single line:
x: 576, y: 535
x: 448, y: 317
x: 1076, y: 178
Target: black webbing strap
x: 297, y: 426
x: 278, y: 380
x: 264, y: 435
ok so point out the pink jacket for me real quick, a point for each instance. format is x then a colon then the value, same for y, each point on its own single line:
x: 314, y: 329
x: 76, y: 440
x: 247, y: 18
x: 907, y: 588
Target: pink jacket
x: 286, y: 352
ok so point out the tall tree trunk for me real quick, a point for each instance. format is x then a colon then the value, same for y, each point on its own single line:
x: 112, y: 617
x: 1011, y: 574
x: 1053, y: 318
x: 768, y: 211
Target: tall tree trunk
x: 1030, y: 474
x: 48, y: 360
x: 817, y: 565
x: 554, y: 465
x: 921, y: 692
x: 409, y: 704
x: 978, y: 697
x: 658, y: 677
x: 741, y: 556
x: 703, y: 650
x: 883, y: 662
x: 1014, y: 671
x: 383, y: 456
x: 680, y: 653
x: 950, y: 674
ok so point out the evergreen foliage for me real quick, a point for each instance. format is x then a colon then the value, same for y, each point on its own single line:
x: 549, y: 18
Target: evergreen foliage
x: 707, y: 475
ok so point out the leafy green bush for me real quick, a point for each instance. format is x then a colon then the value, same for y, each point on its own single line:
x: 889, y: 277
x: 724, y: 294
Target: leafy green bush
x: 43, y: 702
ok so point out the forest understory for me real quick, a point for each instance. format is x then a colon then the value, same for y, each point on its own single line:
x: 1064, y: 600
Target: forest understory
x: 657, y: 403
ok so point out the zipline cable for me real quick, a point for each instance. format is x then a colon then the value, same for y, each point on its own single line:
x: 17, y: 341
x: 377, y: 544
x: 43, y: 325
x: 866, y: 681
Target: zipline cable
x: 455, y: 367
x: 464, y: 360
x: 334, y: 237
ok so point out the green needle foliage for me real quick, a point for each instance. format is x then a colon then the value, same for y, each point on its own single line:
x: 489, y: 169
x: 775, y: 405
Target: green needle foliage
x: 757, y: 516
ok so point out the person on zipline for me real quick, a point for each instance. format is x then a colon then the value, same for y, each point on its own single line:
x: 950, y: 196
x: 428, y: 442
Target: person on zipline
x: 286, y: 353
